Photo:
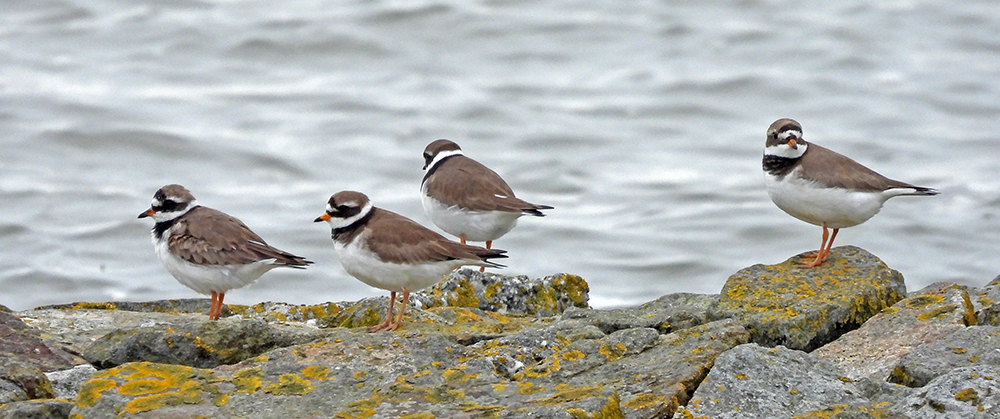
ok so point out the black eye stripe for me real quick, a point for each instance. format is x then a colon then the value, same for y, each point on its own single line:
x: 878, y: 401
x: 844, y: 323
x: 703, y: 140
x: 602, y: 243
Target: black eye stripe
x: 167, y: 205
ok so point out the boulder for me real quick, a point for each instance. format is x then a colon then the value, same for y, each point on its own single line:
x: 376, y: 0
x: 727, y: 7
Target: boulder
x: 967, y: 392
x: 36, y: 409
x: 987, y: 303
x: 874, y: 349
x: 971, y: 346
x: 804, y: 309
x: 751, y: 381
x: 25, y: 344
x: 193, y: 340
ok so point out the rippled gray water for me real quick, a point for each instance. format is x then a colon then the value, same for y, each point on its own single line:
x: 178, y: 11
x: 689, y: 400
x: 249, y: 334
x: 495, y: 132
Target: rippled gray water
x: 641, y: 122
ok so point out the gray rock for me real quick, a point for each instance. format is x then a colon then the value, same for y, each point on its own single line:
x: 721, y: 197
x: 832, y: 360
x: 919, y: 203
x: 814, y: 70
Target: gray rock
x: 807, y: 308
x: 22, y: 343
x: 184, y: 305
x: 751, y: 381
x: 196, y: 342
x: 36, y: 409
x: 66, y: 382
x: 470, y: 288
x: 874, y: 349
x: 77, y: 329
x: 571, y: 370
x: 21, y: 380
x: 11, y: 391
x: 665, y: 314
x: 974, y: 345
x: 987, y: 302
x: 968, y: 393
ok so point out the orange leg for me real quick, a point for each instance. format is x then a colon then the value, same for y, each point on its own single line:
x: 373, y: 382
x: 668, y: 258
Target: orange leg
x: 388, y: 317
x: 488, y: 244
x: 406, y: 302
x: 215, y: 302
x: 462, y: 238
x: 824, y: 249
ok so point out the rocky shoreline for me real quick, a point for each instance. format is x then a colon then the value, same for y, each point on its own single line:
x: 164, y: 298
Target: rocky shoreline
x: 844, y: 340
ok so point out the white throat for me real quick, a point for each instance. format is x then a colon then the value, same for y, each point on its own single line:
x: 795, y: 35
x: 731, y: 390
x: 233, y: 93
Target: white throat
x: 336, y: 222
x: 783, y: 150
x: 443, y: 155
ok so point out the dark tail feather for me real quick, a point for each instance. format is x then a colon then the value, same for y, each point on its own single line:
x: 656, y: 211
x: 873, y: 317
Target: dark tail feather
x: 486, y: 254
x: 536, y: 210
x: 925, y: 191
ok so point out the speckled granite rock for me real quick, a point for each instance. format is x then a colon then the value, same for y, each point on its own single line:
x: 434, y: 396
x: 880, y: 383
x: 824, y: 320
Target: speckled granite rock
x: 968, y: 393
x: 807, y: 308
x: 876, y: 347
x: 65, y: 383
x: 971, y: 346
x: 470, y: 288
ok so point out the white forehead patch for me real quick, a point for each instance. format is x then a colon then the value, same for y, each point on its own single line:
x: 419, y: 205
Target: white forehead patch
x: 783, y: 135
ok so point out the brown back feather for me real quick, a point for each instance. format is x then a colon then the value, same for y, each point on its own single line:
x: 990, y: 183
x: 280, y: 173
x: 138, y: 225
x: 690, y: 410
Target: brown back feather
x: 474, y: 186
x: 401, y: 240
x: 220, y: 239
x: 826, y: 164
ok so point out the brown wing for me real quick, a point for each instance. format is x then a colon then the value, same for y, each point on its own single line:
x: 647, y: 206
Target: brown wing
x: 398, y: 239
x: 469, y: 184
x: 205, y: 236
x: 836, y: 170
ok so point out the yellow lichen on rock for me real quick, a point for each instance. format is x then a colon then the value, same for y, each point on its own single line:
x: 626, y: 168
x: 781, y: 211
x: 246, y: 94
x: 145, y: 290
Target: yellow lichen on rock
x: 316, y: 372
x: 248, y: 380
x: 290, y: 385
x: 643, y: 401
x: 92, y: 390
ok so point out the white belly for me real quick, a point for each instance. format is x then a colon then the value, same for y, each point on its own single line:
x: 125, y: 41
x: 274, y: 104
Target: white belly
x: 476, y: 226
x: 365, y: 265
x: 829, y: 207
x: 205, y: 279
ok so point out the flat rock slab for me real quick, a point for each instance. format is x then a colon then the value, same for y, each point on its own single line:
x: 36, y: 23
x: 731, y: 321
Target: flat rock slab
x: 743, y: 384
x: 971, y: 346
x: 199, y: 343
x: 570, y: 370
x: 876, y: 347
x: 665, y: 314
x: 807, y: 308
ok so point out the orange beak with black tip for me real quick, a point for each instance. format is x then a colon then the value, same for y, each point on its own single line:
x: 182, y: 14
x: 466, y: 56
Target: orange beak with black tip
x: 793, y: 144
x: 147, y: 213
x: 324, y: 217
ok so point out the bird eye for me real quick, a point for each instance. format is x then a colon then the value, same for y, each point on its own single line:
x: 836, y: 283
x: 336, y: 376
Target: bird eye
x: 168, y: 205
